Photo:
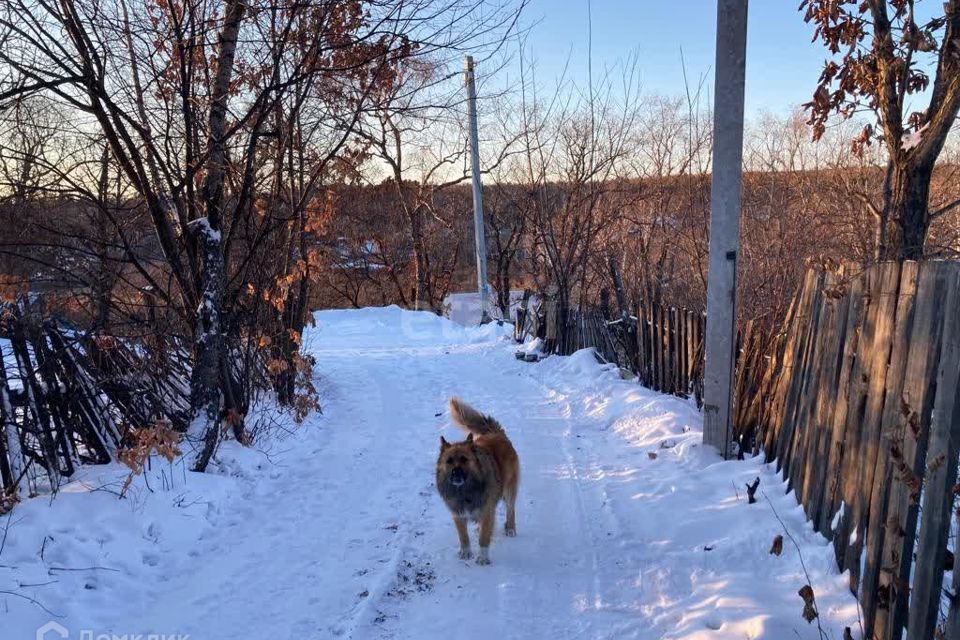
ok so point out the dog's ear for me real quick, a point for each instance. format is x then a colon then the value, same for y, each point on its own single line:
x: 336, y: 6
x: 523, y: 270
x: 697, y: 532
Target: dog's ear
x: 443, y: 444
x: 469, y: 438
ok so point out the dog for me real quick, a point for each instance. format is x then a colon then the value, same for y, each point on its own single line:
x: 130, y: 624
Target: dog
x: 474, y: 475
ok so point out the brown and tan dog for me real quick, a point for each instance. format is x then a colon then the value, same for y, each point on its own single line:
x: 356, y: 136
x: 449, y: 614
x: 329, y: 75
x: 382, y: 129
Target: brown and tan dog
x: 473, y: 475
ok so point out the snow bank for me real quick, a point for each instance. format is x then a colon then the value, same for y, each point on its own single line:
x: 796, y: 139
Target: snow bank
x: 696, y: 542
x: 86, y: 555
x: 396, y: 328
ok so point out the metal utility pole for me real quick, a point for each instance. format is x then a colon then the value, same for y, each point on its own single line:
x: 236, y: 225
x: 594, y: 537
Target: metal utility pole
x: 478, y: 232
x: 724, y: 222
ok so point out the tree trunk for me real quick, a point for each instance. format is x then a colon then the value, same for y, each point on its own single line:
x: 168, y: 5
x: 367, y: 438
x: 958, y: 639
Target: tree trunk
x: 11, y: 458
x: 909, y: 213
x: 421, y: 264
x: 293, y: 318
x: 103, y: 288
x: 206, y: 391
x: 205, y: 384
x: 503, y: 287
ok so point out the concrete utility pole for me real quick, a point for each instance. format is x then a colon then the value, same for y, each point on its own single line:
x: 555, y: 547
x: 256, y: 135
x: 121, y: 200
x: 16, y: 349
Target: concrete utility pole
x: 724, y: 222
x: 478, y: 232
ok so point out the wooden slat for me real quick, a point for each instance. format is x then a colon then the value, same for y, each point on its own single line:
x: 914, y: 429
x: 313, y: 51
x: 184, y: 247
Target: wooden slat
x: 810, y: 374
x: 806, y: 421
x: 838, y: 424
x: 682, y: 368
x: 643, y: 358
x: 793, y: 366
x: 677, y: 351
x: 656, y: 341
x: 798, y: 392
x: 814, y: 484
x: 778, y: 382
x: 879, y: 339
x: 655, y: 346
x: 741, y: 347
x: 940, y: 476
x: 664, y: 349
x: 912, y: 321
x: 667, y: 359
x: 844, y: 533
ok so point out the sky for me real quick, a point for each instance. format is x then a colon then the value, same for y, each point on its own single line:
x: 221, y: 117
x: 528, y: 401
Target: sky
x: 783, y: 65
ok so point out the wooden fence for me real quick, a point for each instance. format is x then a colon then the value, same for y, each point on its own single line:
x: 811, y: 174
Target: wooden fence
x: 670, y: 351
x: 68, y: 399
x: 862, y: 414
x: 856, y: 397
x: 662, y: 345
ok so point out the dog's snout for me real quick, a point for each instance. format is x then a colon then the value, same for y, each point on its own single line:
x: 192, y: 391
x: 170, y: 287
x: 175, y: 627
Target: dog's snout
x: 457, y: 477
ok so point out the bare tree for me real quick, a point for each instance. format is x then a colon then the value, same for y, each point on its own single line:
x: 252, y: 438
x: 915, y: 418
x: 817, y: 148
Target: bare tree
x: 225, y: 119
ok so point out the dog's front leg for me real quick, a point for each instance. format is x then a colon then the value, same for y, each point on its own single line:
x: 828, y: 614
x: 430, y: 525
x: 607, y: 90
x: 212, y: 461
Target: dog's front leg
x: 486, y: 533
x: 461, y: 524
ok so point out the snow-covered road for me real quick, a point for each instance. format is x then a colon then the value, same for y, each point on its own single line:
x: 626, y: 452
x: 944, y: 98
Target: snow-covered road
x: 627, y: 527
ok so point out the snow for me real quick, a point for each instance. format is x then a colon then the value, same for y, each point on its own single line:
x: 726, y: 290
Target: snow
x: 838, y: 517
x: 914, y: 138
x: 335, y: 530
x: 202, y: 226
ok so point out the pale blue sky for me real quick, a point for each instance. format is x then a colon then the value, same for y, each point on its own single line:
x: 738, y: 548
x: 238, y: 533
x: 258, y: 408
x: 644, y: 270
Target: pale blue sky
x: 782, y: 63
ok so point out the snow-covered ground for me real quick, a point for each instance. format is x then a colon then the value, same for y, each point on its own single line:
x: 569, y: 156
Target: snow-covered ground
x: 628, y: 527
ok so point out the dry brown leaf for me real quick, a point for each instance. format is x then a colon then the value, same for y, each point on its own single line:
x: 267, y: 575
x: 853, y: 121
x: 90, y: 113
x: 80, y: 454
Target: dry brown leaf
x: 777, y: 547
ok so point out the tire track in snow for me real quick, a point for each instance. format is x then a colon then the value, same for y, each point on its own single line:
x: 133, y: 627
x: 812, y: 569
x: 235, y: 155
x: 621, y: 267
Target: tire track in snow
x: 407, y: 573
x: 540, y: 424
x: 611, y: 567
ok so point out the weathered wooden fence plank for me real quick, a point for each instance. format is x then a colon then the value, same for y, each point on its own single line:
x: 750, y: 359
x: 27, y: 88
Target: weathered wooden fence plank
x: 814, y: 481
x: 666, y: 336
x: 832, y: 504
x: 656, y: 340
x: 912, y: 320
x: 792, y: 367
x: 940, y: 477
x: 846, y: 534
x: 643, y: 345
x: 691, y: 349
x: 879, y: 338
x: 801, y: 375
x: 806, y: 422
x: 778, y: 370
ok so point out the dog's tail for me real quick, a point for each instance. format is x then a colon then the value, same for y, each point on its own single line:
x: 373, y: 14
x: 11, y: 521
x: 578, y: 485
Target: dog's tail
x: 471, y: 420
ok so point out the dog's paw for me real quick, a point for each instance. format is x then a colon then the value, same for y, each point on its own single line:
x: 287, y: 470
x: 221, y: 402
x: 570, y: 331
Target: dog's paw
x: 511, y: 532
x: 465, y: 554
x: 483, y: 557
